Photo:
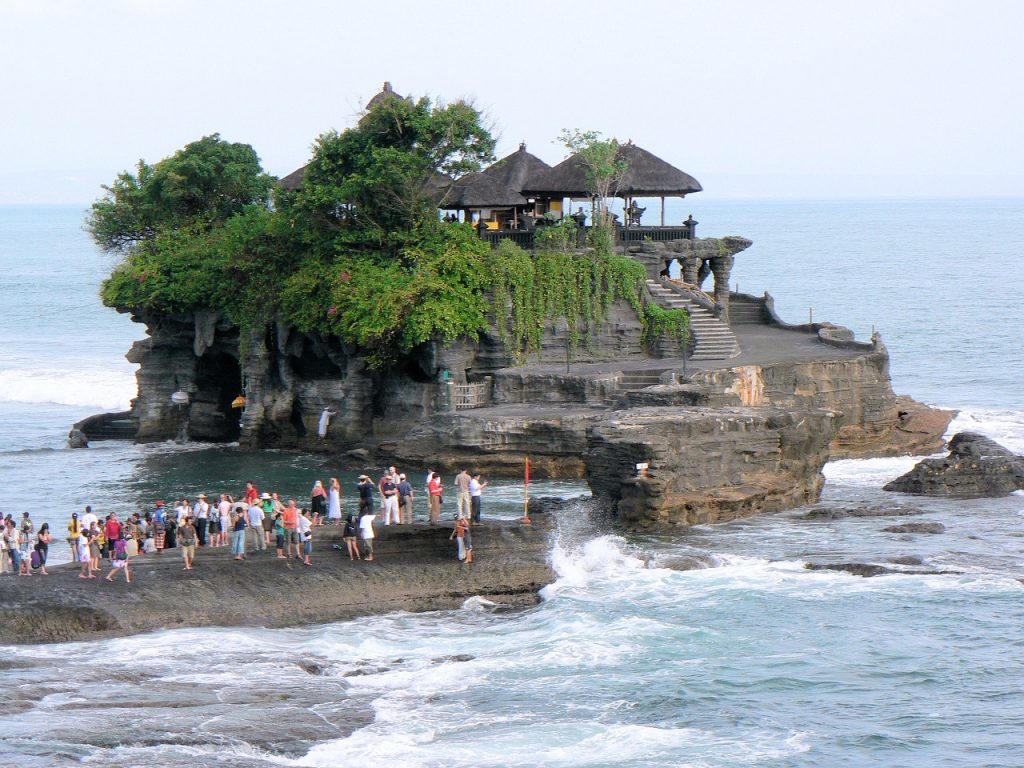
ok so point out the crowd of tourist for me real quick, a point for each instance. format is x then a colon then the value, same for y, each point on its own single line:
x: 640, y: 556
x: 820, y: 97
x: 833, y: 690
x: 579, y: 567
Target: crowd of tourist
x: 254, y: 522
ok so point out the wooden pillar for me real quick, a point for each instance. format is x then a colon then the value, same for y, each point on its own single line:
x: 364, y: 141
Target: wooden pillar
x: 663, y: 210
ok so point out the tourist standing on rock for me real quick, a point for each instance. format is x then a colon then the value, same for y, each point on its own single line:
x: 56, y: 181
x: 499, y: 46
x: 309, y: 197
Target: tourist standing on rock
x: 238, y: 525
x: 434, y: 491
x: 187, y: 537
x: 224, y: 515
x: 291, y: 528
x: 43, y: 546
x: 25, y: 549
x: 279, y: 534
x: 255, y: 525
x: 112, y: 532
x: 10, y: 533
x: 366, y: 532
x: 365, y: 494
x: 120, y: 556
x: 306, y: 536
x: 463, y: 543
x: 4, y: 556
x: 85, y: 554
x: 318, y: 502
x: 389, y: 490
x: 350, y: 533
x: 95, y: 537
x: 74, y: 529
x: 159, y: 526
x: 334, y: 501
x: 476, y: 489
x: 405, y: 499
x: 90, y: 517
x: 462, y: 497
x: 251, y: 494
x: 202, y: 513
x: 26, y: 523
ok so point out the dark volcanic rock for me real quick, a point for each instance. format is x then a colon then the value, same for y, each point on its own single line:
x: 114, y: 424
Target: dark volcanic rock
x: 867, y: 570
x: 976, y: 467
x: 838, y: 513
x: 920, y: 527
x: 707, y: 465
x: 415, y: 570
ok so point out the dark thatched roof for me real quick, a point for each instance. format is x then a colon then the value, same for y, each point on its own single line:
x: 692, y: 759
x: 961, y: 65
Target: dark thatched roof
x: 646, y: 176
x: 518, y: 170
x: 387, y: 92
x: 478, y: 190
x: 293, y: 180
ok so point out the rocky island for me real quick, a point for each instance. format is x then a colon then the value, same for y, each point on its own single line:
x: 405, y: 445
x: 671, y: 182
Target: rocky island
x: 506, y: 329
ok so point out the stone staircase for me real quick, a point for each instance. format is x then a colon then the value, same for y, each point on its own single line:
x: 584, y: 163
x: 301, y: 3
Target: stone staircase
x: 746, y: 312
x: 633, y: 381
x: 713, y: 339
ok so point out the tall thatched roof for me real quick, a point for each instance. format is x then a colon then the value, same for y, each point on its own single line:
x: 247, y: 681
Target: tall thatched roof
x: 518, y: 170
x: 479, y: 190
x: 646, y: 176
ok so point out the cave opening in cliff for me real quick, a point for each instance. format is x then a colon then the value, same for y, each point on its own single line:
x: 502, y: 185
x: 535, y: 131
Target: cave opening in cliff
x: 218, y: 383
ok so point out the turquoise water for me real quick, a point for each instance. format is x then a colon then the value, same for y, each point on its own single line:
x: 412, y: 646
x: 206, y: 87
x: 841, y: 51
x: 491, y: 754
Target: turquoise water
x: 753, y: 660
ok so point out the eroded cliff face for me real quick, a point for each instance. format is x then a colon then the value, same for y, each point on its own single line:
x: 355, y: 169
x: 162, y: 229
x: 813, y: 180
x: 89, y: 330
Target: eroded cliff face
x: 289, y: 378
x: 708, y: 465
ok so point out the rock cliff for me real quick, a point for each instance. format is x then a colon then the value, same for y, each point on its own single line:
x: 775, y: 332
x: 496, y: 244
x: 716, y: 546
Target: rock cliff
x: 722, y: 438
x: 976, y: 467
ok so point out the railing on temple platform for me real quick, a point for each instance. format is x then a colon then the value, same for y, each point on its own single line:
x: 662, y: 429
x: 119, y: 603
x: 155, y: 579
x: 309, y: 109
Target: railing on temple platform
x: 654, y: 234
x: 524, y: 237
x: 470, y: 395
x: 521, y: 237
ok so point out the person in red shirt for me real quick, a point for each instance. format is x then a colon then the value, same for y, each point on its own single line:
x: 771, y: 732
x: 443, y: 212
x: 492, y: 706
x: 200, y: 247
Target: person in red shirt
x: 112, y: 531
x: 251, y: 494
x: 434, y: 489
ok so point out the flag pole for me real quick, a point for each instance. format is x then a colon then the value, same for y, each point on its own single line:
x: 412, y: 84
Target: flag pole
x: 526, y: 495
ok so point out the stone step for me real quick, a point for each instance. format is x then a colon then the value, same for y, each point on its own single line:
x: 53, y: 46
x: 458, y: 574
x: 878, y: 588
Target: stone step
x: 712, y: 339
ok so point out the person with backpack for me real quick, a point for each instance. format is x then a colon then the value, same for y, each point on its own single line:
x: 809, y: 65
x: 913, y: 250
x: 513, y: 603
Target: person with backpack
x: 350, y: 533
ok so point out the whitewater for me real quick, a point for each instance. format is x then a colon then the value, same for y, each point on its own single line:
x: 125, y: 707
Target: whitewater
x: 713, y: 647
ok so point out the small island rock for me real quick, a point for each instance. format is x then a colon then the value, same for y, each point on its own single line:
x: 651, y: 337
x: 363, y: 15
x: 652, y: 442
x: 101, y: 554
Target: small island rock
x: 976, y: 467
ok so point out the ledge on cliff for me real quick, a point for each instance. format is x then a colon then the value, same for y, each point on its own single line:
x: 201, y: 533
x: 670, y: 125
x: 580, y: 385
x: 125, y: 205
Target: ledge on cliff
x: 415, y: 570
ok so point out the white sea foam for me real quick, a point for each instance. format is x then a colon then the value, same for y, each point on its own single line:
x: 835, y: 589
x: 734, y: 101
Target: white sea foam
x: 1004, y: 425
x: 100, y: 388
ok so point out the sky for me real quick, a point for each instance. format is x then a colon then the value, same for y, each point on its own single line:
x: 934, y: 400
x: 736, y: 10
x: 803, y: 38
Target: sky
x: 784, y: 99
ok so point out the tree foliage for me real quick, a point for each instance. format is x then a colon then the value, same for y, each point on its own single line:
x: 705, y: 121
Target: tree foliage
x: 378, y: 184
x: 603, y: 165
x: 204, y: 184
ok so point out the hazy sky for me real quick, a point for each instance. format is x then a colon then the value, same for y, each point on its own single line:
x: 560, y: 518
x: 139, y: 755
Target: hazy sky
x: 789, y: 98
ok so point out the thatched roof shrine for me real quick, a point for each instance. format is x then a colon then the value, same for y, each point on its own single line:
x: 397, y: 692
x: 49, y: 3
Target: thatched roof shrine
x: 646, y: 176
x: 478, y: 190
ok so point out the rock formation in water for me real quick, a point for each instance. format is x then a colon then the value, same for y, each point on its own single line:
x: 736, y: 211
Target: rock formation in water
x: 976, y: 467
x: 723, y: 439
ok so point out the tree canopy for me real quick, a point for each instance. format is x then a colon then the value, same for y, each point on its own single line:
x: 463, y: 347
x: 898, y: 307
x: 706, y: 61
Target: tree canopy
x: 205, y: 183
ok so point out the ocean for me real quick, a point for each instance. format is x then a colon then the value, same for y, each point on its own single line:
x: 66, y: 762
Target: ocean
x: 752, y: 660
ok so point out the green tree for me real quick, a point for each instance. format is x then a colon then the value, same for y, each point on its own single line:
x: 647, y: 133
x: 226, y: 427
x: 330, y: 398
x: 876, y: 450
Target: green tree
x: 205, y: 183
x: 603, y: 166
x: 377, y: 184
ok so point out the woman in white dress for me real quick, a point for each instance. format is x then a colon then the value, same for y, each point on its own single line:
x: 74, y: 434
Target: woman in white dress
x: 334, y: 502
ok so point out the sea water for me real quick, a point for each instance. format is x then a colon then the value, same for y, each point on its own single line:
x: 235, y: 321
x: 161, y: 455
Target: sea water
x: 749, y: 660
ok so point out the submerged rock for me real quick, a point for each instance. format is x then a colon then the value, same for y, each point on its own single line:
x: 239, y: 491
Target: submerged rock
x: 920, y: 527
x: 838, y: 513
x: 976, y: 467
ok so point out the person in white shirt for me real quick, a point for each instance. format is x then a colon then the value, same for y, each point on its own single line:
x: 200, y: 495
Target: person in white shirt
x: 306, y: 537
x: 366, y: 532
x: 255, y: 529
x: 202, y: 515
x: 476, y: 489
x: 88, y: 518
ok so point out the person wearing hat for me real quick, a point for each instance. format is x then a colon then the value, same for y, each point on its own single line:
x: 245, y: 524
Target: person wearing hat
x: 201, y: 512
x: 405, y: 499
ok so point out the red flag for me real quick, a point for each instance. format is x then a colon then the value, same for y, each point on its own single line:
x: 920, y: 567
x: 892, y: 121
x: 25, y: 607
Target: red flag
x: 527, y: 471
